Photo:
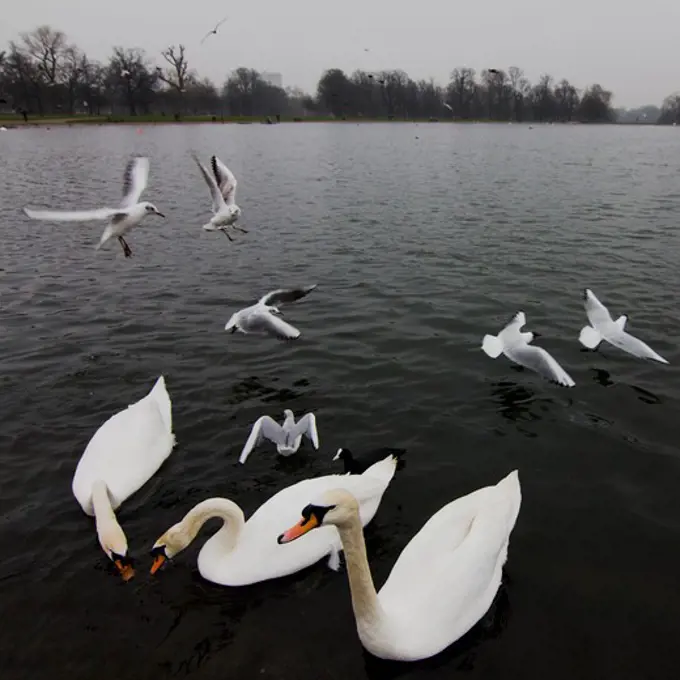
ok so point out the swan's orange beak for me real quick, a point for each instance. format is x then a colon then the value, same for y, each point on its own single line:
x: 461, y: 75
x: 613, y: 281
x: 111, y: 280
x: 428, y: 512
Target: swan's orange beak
x: 300, y: 529
x: 126, y: 570
x: 157, y: 562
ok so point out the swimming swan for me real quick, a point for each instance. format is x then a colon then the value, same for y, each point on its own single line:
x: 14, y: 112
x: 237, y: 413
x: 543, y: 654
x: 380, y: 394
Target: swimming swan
x: 443, y: 582
x: 243, y: 552
x: 124, y: 453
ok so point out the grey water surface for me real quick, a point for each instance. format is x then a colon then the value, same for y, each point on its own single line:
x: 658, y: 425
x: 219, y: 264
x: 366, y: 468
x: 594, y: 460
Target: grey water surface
x: 422, y: 238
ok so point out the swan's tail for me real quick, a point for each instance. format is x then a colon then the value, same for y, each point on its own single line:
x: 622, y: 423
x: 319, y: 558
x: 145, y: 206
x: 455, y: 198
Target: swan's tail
x: 160, y: 395
x: 510, y: 490
x: 383, y: 470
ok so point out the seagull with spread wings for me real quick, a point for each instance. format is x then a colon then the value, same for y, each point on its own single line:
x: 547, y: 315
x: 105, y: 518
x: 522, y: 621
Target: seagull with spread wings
x: 515, y: 345
x: 287, y: 437
x: 222, y: 185
x: 263, y: 317
x: 129, y: 213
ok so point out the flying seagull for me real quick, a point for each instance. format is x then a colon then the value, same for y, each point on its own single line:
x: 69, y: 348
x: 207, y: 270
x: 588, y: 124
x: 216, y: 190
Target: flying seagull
x: 223, y: 191
x: 515, y: 345
x: 603, y: 327
x: 263, y: 316
x: 214, y: 31
x: 287, y: 437
x: 121, y: 219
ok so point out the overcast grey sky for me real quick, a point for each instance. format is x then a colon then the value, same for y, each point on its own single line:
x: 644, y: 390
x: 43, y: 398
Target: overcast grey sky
x: 628, y: 48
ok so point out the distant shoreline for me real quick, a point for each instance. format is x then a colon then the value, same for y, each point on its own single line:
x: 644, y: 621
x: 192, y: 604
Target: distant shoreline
x: 16, y: 121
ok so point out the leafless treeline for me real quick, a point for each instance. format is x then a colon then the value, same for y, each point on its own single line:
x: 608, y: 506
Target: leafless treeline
x: 43, y: 73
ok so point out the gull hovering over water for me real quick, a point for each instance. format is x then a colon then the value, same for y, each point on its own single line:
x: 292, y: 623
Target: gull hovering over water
x: 223, y: 191
x: 121, y: 219
x: 214, y: 30
x: 287, y: 437
x: 603, y: 327
x: 515, y: 345
x: 263, y: 316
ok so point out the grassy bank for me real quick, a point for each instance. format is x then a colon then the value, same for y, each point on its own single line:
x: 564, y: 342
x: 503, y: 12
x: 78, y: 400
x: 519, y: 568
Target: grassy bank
x: 157, y: 119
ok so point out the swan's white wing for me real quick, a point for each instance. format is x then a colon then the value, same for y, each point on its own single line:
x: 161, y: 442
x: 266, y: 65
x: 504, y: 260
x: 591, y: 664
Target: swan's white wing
x: 217, y: 200
x: 273, y: 325
x: 71, y: 215
x: 225, y: 180
x: 537, y: 359
x: 264, y: 428
x: 307, y: 426
x: 629, y: 343
x: 284, y: 295
x: 127, y: 449
x: 448, y: 575
x: 134, y: 181
x: 258, y: 556
x: 597, y: 313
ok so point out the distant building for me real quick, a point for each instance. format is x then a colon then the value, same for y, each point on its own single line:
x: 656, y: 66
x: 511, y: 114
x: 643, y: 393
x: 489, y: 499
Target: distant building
x: 275, y: 79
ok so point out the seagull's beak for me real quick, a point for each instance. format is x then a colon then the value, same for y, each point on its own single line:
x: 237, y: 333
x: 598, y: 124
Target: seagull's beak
x: 160, y: 214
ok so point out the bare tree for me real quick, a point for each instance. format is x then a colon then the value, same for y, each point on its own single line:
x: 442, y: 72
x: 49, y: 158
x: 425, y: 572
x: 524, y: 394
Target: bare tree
x: 462, y: 91
x: 130, y: 75
x: 567, y: 99
x: 177, y: 75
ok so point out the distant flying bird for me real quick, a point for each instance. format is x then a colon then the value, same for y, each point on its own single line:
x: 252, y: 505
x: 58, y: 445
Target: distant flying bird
x: 448, y: 106
x: 515, y: 345
x: 223, y: 191
x: 214, y: 31
x: 495, y: 71
x: 122, y: 219
x: 125, y: 73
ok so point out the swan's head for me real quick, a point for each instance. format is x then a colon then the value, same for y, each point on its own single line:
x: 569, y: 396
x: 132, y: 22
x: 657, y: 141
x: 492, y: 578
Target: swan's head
x: 171, y: 543
x: 288, y: 413
x: 114, y: 543
x: 151, y: 209
x: 337, y: 507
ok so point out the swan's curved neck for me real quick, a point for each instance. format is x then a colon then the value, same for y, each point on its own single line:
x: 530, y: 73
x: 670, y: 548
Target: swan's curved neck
x: 367, y: 610
x: 225, y: 510
x: 110, y: 533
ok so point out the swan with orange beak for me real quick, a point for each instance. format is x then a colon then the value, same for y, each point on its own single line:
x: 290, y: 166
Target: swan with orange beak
x: 123, y: 454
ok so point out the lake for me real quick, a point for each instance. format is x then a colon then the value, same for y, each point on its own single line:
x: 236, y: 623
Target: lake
x: 422, y: 238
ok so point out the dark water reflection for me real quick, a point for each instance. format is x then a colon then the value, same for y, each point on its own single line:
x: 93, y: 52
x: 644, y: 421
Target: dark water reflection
x: 419, y: 247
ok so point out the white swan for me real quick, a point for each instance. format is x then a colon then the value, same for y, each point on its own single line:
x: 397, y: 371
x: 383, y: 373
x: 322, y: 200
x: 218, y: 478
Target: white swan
x: 443, y: 582
x: 243, y: 552
x: 121, y: 457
